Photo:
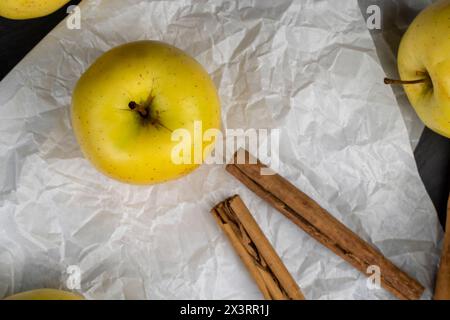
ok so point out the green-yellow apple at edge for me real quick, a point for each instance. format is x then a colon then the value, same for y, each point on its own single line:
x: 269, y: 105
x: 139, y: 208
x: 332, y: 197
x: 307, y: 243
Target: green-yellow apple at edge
x: 28, y: 9
x: 424, y: 66
x: 126, y: 106
x: 45, y: 294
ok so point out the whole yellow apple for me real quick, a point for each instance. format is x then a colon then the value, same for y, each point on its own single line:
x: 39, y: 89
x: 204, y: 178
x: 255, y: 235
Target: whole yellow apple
x: 424, y: 66
x: 45, y: 294
x: 126, y: 106
x: 28, y: 9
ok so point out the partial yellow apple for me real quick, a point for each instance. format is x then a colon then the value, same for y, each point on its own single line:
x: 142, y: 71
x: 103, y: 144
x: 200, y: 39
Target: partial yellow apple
x: 28, y: 9
x: 131, y: 100
x: 45, y: 294
x: 424, y: 66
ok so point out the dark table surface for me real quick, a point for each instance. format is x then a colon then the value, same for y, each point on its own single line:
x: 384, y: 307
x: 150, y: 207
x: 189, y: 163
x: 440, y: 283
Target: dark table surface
x: 432, y: 154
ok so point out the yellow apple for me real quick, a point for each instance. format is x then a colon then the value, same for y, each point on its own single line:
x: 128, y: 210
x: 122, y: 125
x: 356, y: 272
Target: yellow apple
x: 126, y: 106
x: 424, y: 66
x: 45, y: 294
x: 27, y: 9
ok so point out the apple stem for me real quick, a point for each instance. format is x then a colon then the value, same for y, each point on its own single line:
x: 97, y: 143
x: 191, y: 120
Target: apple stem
x: 395, y: 81
x: 142, y: 110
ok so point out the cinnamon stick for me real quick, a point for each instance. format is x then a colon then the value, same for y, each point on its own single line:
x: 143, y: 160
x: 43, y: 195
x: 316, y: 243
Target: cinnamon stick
x: 321, y: 225
x: 258, y: 255
x: 442, y: 289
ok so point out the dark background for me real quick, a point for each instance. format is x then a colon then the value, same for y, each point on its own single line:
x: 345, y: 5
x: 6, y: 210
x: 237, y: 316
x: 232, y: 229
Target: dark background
x: 18, y: 37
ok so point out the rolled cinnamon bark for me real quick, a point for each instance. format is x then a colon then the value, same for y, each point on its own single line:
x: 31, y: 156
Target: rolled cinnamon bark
x: 321, y: 225
x: 258, y: 255
x: 442, y: 289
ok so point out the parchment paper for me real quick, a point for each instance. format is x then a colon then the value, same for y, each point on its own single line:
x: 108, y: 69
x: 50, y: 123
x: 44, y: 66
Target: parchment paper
x: 309, y: 68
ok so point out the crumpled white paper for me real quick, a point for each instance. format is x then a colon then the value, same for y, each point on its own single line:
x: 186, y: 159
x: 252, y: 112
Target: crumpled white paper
x: 308, y: 68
